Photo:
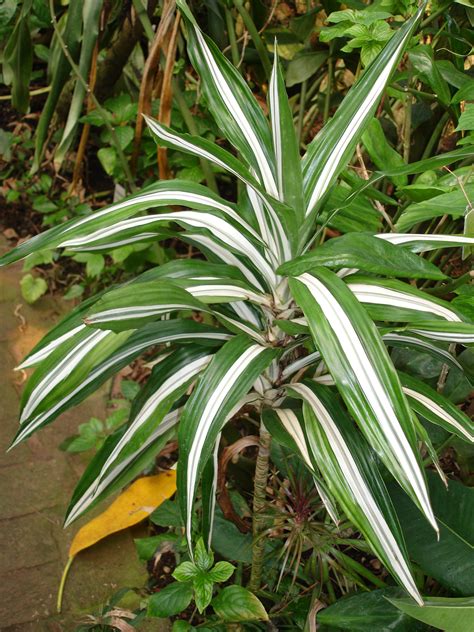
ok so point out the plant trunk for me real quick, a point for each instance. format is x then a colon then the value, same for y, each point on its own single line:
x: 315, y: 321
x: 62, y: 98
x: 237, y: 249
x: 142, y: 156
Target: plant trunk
x: 259, y: 490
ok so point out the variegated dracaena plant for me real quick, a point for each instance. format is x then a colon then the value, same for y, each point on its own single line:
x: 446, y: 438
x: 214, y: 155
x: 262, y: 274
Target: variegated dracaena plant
x: 275, y: 293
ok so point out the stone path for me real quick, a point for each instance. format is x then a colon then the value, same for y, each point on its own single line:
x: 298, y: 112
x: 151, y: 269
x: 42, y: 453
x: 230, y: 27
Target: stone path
x: 36, y: 480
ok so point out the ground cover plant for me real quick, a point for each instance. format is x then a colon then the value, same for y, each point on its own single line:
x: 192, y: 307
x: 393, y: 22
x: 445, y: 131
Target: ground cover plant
x: 299, y: 330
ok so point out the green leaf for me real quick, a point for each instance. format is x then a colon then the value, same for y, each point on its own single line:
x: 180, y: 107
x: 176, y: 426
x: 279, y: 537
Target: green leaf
x: 363, y: 252
x: 285, y: 143
x: 303, y: 66
x: 357, y: 359
x: 227, y: 379
x: 221, y: 572
x: 203, y: 587
x: 466, y: 120
x: 364, y: 611
x: 451, y: 559
x: 231, y: 102
x: 122, y: 309
x: 382, y: 154
x: 108, y: 159
x: 352, y: 478
x: 91, y: 10
x: 185, y: 572
x: 235, y: 603
x: 170, y: 600
x: 330, y: 151
x: 32, y: 288
x: 167, y: 515
x: 453, y: 203
x: 147, y: 547
x: 94, y: 263
x: 446, y: 613
x: 423, y: 62
x: 203, y: 558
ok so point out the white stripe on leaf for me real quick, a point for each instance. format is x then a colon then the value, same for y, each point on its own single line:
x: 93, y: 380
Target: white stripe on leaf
x: 372, y: 388
x: 360, y: 490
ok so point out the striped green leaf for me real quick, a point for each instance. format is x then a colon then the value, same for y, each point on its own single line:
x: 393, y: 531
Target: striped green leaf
x: 330, y: 151
x: 444, y: 331
x: 88, y: 494
x: 167, y: 193
x: 92, y: 371
x: 425, y: 243
x: 228, y: 378
x: 390, y: 299
x: 285, y: 143
x: 436, y: 408
x: 169, y: 381
x: 352, y: 476
x: 131, y: 306
x: 356, y: 356
x: 232, y: 103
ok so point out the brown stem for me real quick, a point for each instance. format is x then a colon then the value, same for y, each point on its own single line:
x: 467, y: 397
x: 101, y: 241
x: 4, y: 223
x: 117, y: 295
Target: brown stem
x: 149, y: 71
x: 259, y: 493
x: 166, y: 98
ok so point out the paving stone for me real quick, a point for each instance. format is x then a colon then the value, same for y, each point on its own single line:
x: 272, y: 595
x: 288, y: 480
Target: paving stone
x: 36, y: 482
x: 28, y: 540
x: 31, y: 487
x: 28, y: 594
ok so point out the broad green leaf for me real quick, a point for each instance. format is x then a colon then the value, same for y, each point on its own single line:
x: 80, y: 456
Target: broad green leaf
x: 203, y: 586
x: 453, y: 203
x: 381, y: 153
x: 235, y: 603
x: 185, y: 572
x: 446, y: 613
x: 32, y: 288
x: 367, y: 610
x: 303, y: 66
x: 423, y: 62
x: 170, y: 600
x: 357, y: 359
x: 351, y: 475
x: 366, y: 253
x: 228, y: 378
x: 449, y: 560
x: 221, y: 572
x: 466, y: 120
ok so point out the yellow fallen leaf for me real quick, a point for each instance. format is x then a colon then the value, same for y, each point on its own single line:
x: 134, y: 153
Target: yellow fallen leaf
x: 132, y: 506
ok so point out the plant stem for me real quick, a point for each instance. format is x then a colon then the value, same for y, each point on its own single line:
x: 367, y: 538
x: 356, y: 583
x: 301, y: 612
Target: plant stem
x: 259, y: 489
x: 257, y: 40
x: 98, y: 107
x: 234, y: 51
x: 407, y: 129
x: 191, y: 125
x: 327, y: 100
x: 301, y: 111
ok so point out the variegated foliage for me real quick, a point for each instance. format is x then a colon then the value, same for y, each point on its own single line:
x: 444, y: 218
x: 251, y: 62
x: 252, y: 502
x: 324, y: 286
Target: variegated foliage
x: 272, y: 294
